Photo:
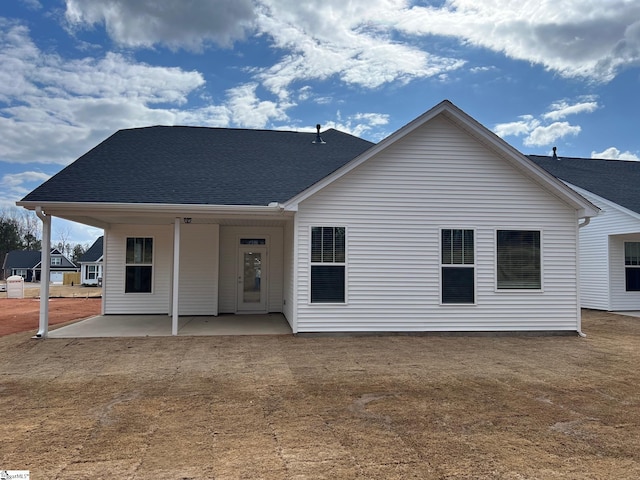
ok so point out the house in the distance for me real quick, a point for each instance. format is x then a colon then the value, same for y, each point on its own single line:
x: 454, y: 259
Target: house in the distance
x: 442, y: 226
x: 91, y: 264
x: 27, y: 264
x: 610, y: 244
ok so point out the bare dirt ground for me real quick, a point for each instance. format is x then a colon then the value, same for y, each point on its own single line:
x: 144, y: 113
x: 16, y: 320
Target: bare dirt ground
x: 66, y: 304
x: 282, y: 407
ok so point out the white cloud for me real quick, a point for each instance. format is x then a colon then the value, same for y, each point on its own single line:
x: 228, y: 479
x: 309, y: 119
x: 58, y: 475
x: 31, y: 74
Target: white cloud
x: 521, y: 127
x: 188, y: 24
x: 538, y: 133
x: 577, y: 38
x: 563, y: 108
x: 16, y: 185
x: 370, y: 43
x: 546, y: 135
x: 52, y: 110
x: 364, y: 125
x: 251, y: 112
x: 32, y: 4
x: 614, y: 154
x: 335, y: 38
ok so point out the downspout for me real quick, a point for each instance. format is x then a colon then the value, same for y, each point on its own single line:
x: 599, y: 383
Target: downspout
x: 586, y: 222
x: 45, y: 261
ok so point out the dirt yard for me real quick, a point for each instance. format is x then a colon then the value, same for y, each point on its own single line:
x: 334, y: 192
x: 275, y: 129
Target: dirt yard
x: 281, y: 407
x: 66, y: 304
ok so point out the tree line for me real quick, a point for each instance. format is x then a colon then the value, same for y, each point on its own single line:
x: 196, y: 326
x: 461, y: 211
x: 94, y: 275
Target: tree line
x: 21, y: 230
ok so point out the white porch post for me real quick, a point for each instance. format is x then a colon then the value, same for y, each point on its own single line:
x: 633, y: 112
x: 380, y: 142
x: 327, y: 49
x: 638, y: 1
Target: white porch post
x: 176, y: 276
x: 45, y: 262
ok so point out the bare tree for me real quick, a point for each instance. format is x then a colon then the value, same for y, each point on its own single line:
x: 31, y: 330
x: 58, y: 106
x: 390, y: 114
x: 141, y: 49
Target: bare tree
x: 63, y: 240
x: 30, y: 230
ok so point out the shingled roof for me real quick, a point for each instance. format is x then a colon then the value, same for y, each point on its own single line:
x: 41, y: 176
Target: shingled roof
x: 198, y: 165
x: 615, y: 180
x: 94, y: 253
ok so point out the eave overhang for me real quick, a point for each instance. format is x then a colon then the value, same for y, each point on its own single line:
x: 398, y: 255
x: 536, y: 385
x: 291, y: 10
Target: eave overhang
x: 102, y: 215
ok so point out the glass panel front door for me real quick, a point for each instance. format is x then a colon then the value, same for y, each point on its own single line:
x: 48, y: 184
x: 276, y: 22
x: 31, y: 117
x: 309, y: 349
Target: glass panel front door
x: 251, y: 280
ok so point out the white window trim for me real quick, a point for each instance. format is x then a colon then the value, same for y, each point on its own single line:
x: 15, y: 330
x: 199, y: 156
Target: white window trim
x: 152, y: 265
x: 346, y: 271
x: 58, y: 261
x: 495, y: 261
x: 474, y: 265
x: 94, y: 272
x: 625, y: 266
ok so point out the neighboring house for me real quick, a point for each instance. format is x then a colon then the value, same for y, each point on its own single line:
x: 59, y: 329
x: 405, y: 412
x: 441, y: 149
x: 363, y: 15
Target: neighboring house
x: 442, y: 226
x: 27, y: 264
x: 610, y: 244
x: 91, y: 264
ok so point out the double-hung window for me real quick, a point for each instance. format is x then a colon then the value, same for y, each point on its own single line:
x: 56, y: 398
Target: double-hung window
x: 518, y: 260
x: 457, y: 266
x: 56, y: 261
x: 328, y: 263
x: 632, y: 266
x: 139, y: 265
x: 92, y: 272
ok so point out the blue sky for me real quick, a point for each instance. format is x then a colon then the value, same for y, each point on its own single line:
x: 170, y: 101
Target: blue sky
x: 539, y: 73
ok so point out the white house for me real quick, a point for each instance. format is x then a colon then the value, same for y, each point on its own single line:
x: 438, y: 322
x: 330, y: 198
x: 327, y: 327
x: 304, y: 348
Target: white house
x: 442, y: 226
x: 610, y: 244
x: 91, y: 264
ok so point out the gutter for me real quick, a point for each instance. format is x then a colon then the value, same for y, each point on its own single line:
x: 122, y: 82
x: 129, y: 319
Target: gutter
x: 273, y: 207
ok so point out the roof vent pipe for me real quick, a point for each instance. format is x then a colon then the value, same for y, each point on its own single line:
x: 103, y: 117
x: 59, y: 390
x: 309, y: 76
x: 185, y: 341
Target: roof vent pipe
x: 318, y: 137
x: 555, y: 156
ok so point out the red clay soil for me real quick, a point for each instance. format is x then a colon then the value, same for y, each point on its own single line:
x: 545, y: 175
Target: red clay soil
x: 22, y: 315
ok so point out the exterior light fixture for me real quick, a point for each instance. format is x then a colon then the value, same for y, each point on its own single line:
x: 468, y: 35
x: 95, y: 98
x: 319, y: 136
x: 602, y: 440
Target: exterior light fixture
x: 187, y: 219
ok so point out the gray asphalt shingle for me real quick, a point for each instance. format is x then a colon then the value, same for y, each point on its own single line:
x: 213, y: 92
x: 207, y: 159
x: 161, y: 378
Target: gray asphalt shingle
x: 614, y: 180
x: 198, y: 165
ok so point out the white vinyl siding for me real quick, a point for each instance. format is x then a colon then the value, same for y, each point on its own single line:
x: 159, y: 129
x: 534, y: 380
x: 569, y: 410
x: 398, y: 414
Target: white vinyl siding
x: 116, y: 301
x: 199, y: 257
x: 394, y: 206
x: 621, y: 299
x: 229, y: 243
x: 602, y: 280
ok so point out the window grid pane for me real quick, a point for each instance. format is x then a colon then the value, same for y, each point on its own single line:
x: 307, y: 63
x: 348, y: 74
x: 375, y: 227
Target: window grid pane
x: 139, y: 251
x: 632, y: 253
x: 316, y: 244
x: 457, y: 247
x: 327, y: 245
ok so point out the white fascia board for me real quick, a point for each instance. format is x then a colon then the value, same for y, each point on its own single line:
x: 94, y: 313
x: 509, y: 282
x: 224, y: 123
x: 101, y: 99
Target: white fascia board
x: 154, y: 208
x: 480, y: 132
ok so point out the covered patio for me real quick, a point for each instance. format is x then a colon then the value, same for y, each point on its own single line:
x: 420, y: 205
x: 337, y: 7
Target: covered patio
x: 161, y: 326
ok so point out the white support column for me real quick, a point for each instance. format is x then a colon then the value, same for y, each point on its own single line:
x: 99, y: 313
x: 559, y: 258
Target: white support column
x: 176, y: 276
x: 45, y: 262
x: 102, y: 270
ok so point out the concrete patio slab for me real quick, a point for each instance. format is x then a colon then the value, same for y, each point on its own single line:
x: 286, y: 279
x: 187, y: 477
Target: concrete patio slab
x: 160, y: 326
